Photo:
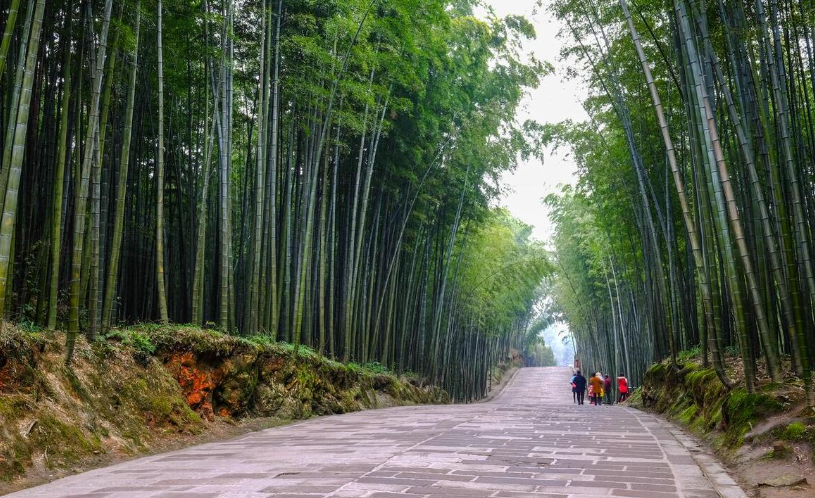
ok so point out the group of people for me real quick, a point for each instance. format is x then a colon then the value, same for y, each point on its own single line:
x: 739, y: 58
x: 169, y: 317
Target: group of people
x: 598, y: 388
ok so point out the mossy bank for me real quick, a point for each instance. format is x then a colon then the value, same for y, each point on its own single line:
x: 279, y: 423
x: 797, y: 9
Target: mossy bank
x: 145, y: 387
x: 761, y: 434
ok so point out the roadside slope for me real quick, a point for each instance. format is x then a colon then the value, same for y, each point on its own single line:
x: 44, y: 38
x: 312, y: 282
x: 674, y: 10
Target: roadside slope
x: 766, y: 438
x: 151, y: 389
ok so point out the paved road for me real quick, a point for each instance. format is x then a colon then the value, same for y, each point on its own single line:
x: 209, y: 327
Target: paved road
x: 530, y: 442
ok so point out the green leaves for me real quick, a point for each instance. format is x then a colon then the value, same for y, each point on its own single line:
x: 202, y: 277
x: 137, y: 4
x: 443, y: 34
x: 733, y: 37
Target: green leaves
x: 502, y: 270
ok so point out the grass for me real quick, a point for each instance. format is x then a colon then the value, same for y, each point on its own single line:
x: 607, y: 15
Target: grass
x: 689, y: 354
x: 796, y: 431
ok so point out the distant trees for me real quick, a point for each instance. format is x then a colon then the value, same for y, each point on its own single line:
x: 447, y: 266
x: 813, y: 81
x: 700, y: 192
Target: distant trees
x: 536, y: 352
x: 320, y: 173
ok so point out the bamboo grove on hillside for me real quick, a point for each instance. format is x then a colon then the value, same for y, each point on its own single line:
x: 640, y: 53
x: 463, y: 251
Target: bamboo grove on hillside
x: 692, y: 220
x: 319, y: 172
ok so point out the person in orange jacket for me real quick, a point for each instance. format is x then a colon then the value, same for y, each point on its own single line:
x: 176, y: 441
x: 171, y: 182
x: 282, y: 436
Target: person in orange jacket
x: 596, y: 390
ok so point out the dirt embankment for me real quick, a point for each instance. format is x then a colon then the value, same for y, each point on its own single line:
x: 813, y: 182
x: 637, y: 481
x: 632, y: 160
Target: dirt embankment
x: 151, y: 389
x: 766, y: 438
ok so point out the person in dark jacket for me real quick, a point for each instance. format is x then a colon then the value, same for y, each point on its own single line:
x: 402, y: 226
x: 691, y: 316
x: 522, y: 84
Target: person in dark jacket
x: 579, y: 387
x: 607, y: 389
x: 574, y: 389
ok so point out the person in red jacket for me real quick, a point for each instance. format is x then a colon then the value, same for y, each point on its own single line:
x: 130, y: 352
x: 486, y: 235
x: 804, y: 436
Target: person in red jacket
x: 622, y: 388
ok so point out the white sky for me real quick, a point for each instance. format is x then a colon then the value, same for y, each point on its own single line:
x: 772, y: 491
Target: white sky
x: 556, y: 99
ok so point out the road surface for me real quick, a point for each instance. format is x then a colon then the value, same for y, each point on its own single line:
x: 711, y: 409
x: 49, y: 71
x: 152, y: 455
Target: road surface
x: 529, y: 442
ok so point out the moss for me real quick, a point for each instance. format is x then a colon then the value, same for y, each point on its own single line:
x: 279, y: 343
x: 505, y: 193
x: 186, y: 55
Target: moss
x: 635, y: 398
x: 742, y: 409
x: 694, y: 396
x: 687, y: 414
x: 66, y: 444
x: 171, y: 338
x: 795, y: 431
x: 134, y: 435
x: 776, y: 455
x: 13, y: 407
x: 157, y: 400
x: 112, y: 399
x: 657, y: 372
x: 75, y: 384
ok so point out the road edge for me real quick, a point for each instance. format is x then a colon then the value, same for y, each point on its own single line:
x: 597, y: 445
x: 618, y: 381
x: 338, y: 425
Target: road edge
x: 714, y: 471
x: 499, y: 388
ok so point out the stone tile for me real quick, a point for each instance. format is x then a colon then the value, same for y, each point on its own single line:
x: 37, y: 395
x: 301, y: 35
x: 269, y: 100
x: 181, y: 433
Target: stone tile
x: 435, y: 491
x: 642, y: 494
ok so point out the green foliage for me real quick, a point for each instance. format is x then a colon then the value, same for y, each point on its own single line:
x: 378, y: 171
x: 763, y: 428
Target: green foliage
x: 742, y: 409
x: 535, y: 347
x: 376, y: 368
x: 673, y: 164
x: 391, y: 125
x: 29, y: 326
x: 795, y: 431
x: 689, y: 354
x: 141, y: 342
x: 502, y: 271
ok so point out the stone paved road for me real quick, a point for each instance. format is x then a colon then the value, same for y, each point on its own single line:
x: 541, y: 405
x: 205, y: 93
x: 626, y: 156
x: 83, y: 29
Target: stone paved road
x: 530, y: 442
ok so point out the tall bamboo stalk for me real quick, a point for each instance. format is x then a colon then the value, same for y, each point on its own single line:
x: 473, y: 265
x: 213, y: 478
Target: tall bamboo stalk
x: 121, y: 189
x: 687, y: 216
x: 162, y: 297
x: 18, y: 151
x: 83, y: 181
x: 62, y: 153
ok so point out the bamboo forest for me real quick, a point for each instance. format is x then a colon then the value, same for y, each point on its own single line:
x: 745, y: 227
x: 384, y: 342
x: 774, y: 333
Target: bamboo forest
x: 329, y: 174
x: 690, y: 226
x: 320, y: 173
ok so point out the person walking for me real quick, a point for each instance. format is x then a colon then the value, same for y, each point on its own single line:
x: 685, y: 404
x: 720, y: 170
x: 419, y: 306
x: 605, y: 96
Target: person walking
x: 579, y: 387
x: 622, y: 388
x: 596, y: 388
x: 574, y: 389
x: 607, y: 389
